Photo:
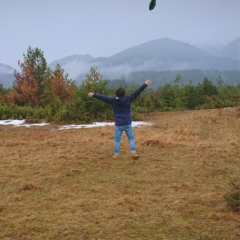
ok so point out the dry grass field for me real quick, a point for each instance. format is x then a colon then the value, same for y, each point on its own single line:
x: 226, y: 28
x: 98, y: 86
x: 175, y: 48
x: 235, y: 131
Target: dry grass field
x: 64, y: 185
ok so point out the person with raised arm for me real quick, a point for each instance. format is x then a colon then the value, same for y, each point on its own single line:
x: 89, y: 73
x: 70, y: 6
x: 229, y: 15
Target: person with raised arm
x: 121, y: 105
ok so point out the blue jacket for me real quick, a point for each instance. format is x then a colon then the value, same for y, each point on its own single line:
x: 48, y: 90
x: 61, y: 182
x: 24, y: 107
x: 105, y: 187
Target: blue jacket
x: 121, y: 106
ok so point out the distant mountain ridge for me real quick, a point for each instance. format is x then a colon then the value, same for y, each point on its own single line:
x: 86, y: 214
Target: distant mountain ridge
x: 164, y: 54
x: 232, y: 50
x: 79, y: 58
x: 74, y: 65
x: 156, y: 55
x: 5, y: 69
x: 6, y: 75
x: 163, y: 49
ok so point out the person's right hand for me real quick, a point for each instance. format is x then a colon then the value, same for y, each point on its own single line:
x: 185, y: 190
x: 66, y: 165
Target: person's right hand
x: 148, y: 82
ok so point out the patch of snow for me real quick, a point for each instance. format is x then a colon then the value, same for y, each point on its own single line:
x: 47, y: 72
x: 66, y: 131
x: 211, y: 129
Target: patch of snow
x: 100, y: 124
x: 77, y: 126
x: 19, y: 123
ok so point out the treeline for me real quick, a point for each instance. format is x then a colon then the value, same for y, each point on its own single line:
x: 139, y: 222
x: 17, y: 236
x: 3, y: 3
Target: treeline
x: 196, y: 76
x: 40, y: 93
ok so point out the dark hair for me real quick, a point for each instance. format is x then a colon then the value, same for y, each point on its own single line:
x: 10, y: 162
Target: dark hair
x: 120, y: 92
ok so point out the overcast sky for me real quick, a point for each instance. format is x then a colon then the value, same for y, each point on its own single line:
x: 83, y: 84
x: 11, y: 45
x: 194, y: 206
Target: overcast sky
x: 102, y: 28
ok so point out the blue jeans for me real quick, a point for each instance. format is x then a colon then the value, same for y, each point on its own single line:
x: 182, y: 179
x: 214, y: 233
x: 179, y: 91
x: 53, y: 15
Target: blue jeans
x: 118, y: 134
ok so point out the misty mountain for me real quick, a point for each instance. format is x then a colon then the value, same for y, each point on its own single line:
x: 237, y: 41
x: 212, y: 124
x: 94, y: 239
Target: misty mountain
x: 162, y: 54
x: 164, y: 51
x: 74, y: 64
x: 6, y: 76
x: 5, y: 69
x: 212, y: 48
x: 7, y: 80
x: 232, y: 50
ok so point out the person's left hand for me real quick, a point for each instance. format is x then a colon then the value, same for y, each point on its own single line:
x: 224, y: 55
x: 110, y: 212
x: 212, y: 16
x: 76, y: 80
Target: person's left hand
x: 148, y: 82
x: 90, y: 94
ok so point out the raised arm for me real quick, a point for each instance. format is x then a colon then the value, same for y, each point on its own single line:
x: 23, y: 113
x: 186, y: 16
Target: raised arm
x: 135, y: 94
x: 101, y: 97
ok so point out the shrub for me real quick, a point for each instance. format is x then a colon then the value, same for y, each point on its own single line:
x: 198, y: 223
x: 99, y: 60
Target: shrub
x: 233, y: 197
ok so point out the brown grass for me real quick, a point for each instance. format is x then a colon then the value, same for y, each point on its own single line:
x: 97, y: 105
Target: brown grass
x: 65, y: 185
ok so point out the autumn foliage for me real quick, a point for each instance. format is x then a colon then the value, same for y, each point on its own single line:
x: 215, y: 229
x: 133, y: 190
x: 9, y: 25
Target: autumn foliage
x: 61, y: 86
x: 36, y: 85
x: 26, y: 87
